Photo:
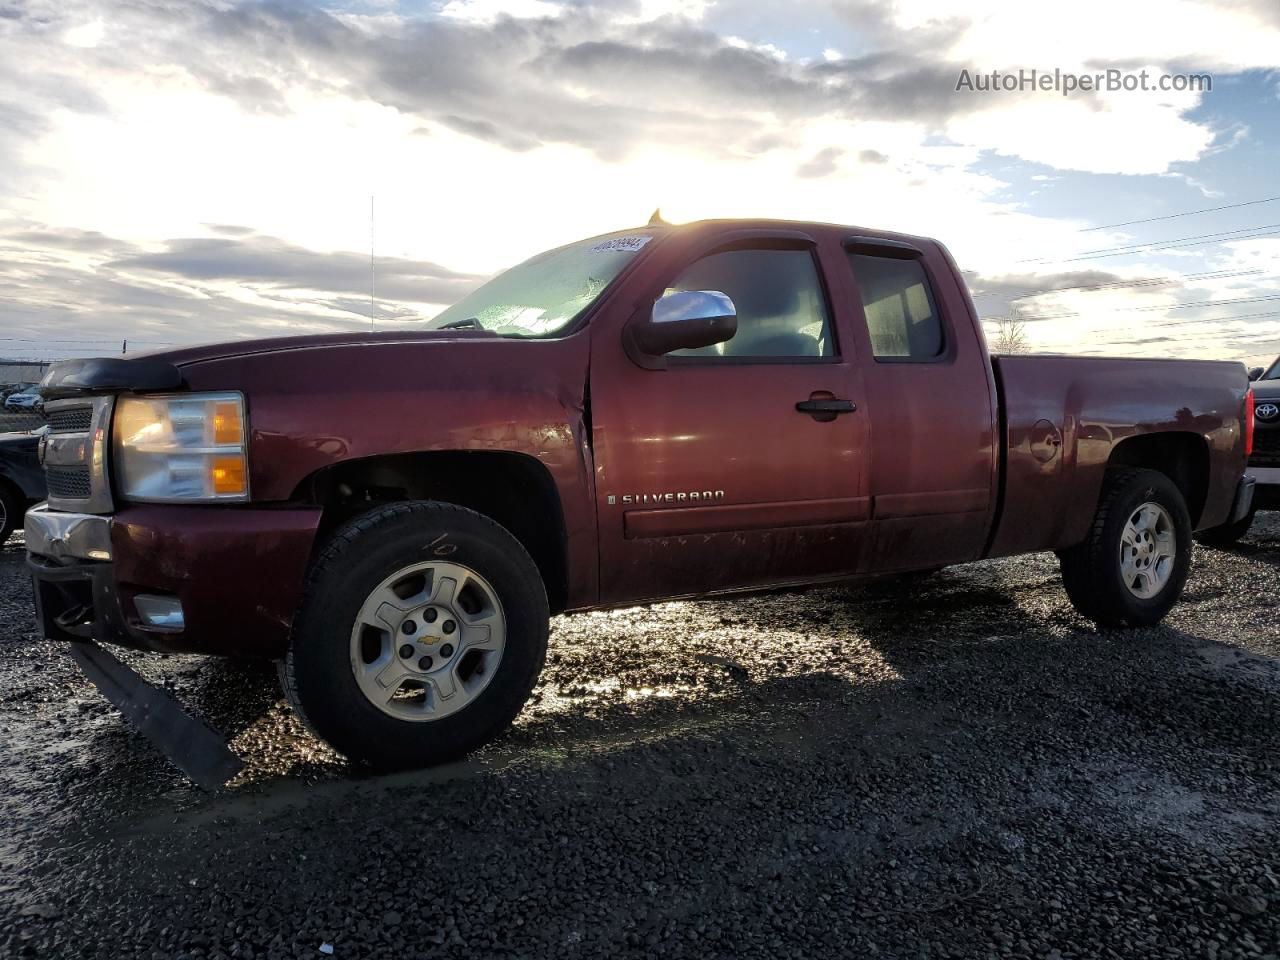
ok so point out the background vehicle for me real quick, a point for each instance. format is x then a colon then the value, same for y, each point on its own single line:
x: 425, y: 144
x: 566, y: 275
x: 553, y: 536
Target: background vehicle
x: 665, y: 412
x: 21, y: 479
x: 1264, y: 461
x: 23, y: 400
x: 9, y: 389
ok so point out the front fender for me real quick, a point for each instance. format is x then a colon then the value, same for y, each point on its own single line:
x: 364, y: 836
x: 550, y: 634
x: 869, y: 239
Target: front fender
x: 318, y: 406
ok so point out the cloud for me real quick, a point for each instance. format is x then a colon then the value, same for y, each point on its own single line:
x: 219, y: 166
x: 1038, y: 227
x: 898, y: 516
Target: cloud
x: 1230, y: 312
x: 600, y: 77
x: 995, y: 296
x: 80, y: 291
x: 271, y: 262
x: 67, y: 239
x: 822, y: 164
x: 614, y: 77
x: 507, y: 126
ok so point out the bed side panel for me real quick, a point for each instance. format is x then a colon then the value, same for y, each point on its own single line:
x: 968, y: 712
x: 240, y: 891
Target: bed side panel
x: 1092, y: 405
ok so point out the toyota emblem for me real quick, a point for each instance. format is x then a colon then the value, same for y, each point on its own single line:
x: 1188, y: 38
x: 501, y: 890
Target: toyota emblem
x: 1266, y: 411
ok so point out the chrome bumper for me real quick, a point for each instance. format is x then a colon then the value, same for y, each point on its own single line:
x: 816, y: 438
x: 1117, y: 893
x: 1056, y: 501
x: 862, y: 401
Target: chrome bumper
x: 67, y: 536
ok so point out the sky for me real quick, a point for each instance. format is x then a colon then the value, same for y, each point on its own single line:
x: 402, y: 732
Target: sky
x: 180, y: 172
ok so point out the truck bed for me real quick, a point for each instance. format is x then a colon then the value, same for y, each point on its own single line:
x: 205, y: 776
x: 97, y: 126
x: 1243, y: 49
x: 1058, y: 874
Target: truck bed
x: 1064, y: 420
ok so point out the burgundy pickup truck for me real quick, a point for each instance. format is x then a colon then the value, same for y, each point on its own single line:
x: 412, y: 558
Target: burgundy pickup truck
x: 658, y: 413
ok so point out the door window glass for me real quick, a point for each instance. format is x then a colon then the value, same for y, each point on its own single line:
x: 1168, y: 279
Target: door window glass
x: 781, y: 309
x: 901, y: 316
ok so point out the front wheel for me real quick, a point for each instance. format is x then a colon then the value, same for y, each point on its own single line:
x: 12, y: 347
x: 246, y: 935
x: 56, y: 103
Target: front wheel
x: 1131, y: 568
x: 421, y: 635
x: 11, y: 504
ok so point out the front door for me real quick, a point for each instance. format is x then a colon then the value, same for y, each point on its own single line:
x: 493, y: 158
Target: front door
x: 708, y: 477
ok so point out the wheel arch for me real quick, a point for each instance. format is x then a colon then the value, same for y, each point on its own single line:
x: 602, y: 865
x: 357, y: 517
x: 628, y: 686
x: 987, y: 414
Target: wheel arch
x: 513, y: 489
x: 1181, y: 456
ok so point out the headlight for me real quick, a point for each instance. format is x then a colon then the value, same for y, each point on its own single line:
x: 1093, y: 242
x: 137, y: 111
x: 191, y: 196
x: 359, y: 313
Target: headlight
x: 181, y: 447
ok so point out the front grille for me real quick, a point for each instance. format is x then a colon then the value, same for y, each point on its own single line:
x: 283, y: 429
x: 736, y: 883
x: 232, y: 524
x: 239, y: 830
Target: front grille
x: 75, y: 454
x: 1266, y: 449
x: 74, y: 420
x: 69, y: 483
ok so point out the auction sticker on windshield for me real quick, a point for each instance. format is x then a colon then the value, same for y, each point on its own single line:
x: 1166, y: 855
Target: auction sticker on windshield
x: 621, y: 244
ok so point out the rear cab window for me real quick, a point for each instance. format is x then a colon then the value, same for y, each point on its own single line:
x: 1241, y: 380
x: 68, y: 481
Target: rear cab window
x: 900, y: 308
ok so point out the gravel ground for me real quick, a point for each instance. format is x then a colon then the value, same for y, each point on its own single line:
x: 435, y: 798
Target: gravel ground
x: 956, y: 766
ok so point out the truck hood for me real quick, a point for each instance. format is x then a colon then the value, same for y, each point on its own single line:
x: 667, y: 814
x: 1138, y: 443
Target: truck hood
x: 162, y: 370
x: 317, y: 341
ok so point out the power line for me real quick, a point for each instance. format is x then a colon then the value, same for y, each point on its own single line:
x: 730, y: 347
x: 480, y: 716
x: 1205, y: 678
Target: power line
x: 1194, y: 236
x: 1175, y: 246
x: 1141, y: 282
x: 1158, y: 325
x: 1159, y: 244
x: 1242, y: 316
x: 1148, y: 309
x: 1187, y: 213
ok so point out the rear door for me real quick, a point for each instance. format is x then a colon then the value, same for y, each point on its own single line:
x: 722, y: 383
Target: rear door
x: 931, y: 402
x: 708, y: 477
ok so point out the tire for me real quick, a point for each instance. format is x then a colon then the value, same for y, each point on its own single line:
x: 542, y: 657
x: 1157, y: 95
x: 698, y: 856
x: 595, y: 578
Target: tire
x: 1093, y: 574
x: 1227, y: 534
x: 346, y: 640
x: 11, y: 505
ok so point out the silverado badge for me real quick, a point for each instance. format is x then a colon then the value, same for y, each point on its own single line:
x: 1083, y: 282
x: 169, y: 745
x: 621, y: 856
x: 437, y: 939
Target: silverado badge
x: 641, y: 499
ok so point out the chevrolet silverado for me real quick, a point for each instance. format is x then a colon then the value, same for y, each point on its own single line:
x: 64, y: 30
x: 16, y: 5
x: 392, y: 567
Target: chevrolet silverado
x: 665, y: 412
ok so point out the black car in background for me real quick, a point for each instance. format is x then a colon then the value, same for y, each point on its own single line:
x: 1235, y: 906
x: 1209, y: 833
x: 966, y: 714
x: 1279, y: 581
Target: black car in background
x: 21, y: 479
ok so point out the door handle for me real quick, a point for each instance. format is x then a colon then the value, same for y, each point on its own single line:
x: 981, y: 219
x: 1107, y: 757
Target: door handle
x: 831, y: 406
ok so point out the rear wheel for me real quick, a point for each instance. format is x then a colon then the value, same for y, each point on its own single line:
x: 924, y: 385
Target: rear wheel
x: 1228, y: 533
x: 421, y: 635
x: 1131, y: 568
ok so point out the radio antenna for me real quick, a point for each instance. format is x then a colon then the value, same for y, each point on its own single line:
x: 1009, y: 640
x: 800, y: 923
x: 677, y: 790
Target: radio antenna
x: 373, y: 271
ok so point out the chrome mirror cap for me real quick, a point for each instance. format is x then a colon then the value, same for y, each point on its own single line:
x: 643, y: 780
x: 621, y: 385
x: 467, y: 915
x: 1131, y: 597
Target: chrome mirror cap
x: 693, y: 305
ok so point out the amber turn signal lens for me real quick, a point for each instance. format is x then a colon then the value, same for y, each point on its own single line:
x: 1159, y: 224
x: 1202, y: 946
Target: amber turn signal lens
x: 228, y: 475
x: 227, y: 428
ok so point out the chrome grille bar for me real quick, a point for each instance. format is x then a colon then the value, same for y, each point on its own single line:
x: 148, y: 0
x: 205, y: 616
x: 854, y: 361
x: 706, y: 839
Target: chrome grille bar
x: 75, y: 456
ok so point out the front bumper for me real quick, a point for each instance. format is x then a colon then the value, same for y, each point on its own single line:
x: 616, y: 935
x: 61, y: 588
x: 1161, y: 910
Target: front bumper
x: 236, y: 571
x: 63, y: 537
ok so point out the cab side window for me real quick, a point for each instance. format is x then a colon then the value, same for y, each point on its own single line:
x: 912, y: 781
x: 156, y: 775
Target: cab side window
x: 901, y: 315
x: 781, y: 307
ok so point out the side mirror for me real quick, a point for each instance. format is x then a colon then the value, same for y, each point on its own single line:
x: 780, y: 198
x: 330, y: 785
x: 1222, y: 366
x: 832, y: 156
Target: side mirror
x: 685, y: 320
x: 1255, y: 373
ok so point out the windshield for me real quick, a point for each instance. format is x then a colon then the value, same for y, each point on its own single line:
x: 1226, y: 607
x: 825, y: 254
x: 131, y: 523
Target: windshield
x: 541, y: 296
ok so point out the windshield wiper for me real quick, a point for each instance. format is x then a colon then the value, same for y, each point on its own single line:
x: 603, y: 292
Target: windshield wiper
x: 471, y: 323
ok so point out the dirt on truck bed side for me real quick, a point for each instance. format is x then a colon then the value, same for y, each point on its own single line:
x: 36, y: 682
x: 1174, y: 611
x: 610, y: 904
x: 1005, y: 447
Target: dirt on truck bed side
x: 954, y: 766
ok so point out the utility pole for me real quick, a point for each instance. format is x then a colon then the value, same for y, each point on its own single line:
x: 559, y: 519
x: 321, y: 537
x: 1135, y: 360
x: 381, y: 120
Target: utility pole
x: 124, y: 347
